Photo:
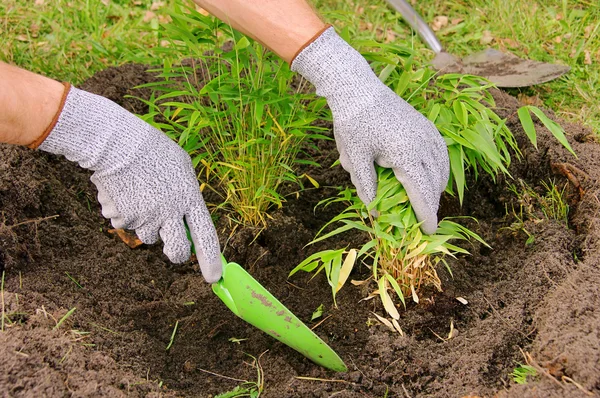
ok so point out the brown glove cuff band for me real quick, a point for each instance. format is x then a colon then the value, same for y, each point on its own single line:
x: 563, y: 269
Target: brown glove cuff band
x: 50, y: 127
x: 319, y: 33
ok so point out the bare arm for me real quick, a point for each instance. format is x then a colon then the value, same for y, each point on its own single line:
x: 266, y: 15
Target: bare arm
x: 284, y: 26
x: 28, y: 103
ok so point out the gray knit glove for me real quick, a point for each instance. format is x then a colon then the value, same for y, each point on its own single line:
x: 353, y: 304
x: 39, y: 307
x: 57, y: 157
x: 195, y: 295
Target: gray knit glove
x: 372, y: 124
x: 145, y: 181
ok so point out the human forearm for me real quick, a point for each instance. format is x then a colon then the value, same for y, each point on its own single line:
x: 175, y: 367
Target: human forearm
x: 28, y: 104
x: 284, y: 26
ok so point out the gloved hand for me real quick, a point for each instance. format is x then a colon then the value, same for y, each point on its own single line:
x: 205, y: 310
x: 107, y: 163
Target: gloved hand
x: 372, y: 124
x: 145, y: 181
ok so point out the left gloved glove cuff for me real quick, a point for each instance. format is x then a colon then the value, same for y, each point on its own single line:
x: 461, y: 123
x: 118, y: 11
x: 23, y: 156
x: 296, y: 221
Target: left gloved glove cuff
x: 339, y: 72
x: 95, y: 132
x: 38, y: 141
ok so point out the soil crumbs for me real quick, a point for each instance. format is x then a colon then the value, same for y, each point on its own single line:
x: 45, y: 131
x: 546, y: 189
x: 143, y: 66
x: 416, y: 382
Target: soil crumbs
x: 85, y: 315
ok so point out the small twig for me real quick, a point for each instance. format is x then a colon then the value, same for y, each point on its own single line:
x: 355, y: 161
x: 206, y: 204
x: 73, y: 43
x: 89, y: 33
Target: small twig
x: 222, y: 376
x: 2, y: 295
x: 323, y: 380
x: 322, y: 320
x: 392, y: 363
x: 437, y: 335
x: 297, y: 287
x: 361, y: 372
x: 405, y: 392
x: 531, y: 362
x: 37, y: 220
x: 215, y: 330
x: 569, y: 380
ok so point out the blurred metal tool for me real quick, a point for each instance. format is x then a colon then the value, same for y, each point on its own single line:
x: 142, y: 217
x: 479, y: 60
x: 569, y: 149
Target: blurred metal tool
x: 503, y: 69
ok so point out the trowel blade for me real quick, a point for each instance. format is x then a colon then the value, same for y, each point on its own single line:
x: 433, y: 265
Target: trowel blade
x: 249, y: 300
x: 503, y: 69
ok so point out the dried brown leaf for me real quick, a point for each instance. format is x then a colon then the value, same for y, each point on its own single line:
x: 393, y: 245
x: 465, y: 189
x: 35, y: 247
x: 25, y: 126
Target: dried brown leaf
x: 346, y: 268
x: 587, y: 57
x: 462, y: 300
x: 165, y: 19
x: 439, y: 22
x: 156, y: 5
x: 397, y: 327
x: 385, y: 322
x: 128, y: 238
x: 587, y: 31
x: 390, y: 36
x: 486, y: 38
x: 149, y: 16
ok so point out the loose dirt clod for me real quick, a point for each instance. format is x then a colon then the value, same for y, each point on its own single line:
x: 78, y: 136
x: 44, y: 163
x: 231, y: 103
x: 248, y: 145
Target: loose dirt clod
x: 540, y: 298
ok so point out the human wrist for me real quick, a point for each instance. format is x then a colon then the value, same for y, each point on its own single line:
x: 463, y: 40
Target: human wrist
x: 338, y: 72
x: 52, y: 122
x: 28, y: 101
x: 94, y: 132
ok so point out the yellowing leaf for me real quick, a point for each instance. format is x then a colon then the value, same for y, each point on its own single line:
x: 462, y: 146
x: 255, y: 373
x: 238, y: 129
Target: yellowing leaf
x: 127, y: 237
x: 416, y: 251
x: 177, y: 111
x: 416, y: 240
x: 312, y: 181
x: 453, y: 332
x: 397, y: 327
x: 388, y: 304
x: 384, y: 321
x: 346, y: 269
x: 414, y: 294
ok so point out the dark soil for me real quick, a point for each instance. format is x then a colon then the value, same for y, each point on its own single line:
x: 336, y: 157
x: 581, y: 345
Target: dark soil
x: 540, y: 299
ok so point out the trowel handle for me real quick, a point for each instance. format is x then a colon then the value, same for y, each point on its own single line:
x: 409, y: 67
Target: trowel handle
x: 416, y: 22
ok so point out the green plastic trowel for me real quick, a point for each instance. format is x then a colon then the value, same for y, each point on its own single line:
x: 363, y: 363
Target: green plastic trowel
x: 249, y: 300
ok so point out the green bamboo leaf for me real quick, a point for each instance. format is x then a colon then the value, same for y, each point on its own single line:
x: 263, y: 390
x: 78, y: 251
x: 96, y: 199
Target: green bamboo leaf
x: 556, y: 130
x: 367, y: 247
x: 434, y: 112
x: 458, y: 169
x: 316, y: 256
x: 336, y: 231
x: 461, y: 112
x: 336, y: 266
x: 527, y: 123
x: 396, y: 287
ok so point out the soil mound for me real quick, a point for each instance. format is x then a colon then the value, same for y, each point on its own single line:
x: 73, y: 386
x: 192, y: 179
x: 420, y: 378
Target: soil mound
x: 539, y: 299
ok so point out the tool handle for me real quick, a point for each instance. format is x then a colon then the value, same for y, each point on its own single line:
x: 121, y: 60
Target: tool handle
x: 416, y: 22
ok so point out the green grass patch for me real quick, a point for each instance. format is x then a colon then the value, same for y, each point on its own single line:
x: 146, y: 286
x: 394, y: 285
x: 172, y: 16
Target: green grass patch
x: 72, y: 40
x: 559, y: 31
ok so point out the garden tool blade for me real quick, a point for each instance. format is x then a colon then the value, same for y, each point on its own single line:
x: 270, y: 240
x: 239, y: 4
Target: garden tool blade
x: 249, y: 300
x: 502, y: 69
